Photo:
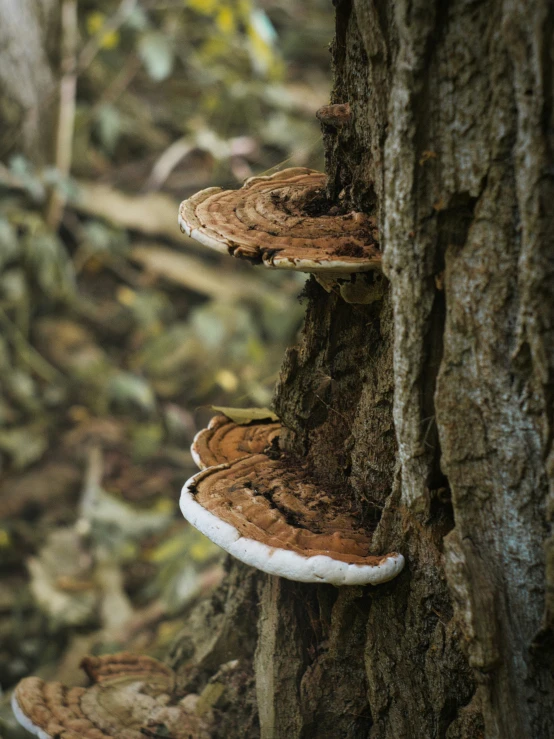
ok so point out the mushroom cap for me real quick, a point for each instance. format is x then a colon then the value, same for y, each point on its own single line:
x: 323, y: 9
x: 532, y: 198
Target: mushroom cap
x: 271, y: 515
x: 271, y: 221
x: 129, y: 694
x: 225, y: 441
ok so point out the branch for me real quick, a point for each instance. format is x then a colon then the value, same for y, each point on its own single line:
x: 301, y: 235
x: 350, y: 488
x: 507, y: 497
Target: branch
x: 66, y: 112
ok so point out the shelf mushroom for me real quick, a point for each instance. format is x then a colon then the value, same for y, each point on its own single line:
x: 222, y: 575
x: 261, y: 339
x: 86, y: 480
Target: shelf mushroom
x: 283, y: 222
x: 226, y: 441
x: 270, y: 514
x: 131, y: 697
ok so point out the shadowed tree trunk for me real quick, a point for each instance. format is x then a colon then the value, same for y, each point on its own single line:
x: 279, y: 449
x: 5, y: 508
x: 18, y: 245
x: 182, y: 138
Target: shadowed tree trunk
x: 430, y: 407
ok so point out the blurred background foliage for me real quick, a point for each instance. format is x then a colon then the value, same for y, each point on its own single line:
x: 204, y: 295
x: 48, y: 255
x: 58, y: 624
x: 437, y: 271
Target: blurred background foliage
x: 118, y: 332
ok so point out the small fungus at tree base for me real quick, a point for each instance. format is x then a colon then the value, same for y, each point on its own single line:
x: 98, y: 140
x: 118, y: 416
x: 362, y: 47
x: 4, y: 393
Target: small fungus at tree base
x: 283, y: 222
x: 130, y: 697
x: 269, y: 513
x: 336, y: 115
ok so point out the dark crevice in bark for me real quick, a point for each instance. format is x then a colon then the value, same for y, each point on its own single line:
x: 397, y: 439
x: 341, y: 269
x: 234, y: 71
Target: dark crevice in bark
x: 343, y: 618
x: 452, y: 228
x: 347, y: 155
x: 547, y: 194
x: 338, y: 51
x: 434, y: 348
x: 319, y: 391
x: 547, y: 74
x: 308, y: 615
x: 441, y: 511
x: 320, y: 396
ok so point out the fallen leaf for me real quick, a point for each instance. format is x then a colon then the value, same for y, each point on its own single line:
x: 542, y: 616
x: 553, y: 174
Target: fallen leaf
x: 242, y: 416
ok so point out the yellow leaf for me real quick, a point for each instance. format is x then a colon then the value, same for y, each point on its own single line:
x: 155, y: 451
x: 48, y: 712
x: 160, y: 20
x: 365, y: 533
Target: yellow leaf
x: 256, y: 350
x: 242, y: 416
x: 125, y: 295
x: 214, y: 48
x: 110, y: 40
x: 187, y: 544
x: 206, y: 7
x: 227, y: 380
x: 225, y: 21
x: 244, y: 7
x: 167, y: 550
x: 202, y: 550
x: 164, y: 505
x: 261, y: 41
x: 95, y: 21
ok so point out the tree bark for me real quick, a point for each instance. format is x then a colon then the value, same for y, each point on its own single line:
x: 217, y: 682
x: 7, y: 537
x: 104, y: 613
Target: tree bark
x: 431, y: 408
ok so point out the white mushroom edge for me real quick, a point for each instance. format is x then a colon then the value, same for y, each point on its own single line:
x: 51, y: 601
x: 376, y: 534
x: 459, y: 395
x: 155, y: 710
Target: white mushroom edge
x: 196, y: 458
x: 23, y: 720
x: 283, y: 562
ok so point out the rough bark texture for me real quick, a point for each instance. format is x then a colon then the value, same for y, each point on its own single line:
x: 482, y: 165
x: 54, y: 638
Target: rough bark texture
x: 432, y: 406
x: 28, y: 47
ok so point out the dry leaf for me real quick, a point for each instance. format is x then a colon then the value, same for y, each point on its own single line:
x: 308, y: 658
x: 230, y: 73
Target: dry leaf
x: 246, y: 415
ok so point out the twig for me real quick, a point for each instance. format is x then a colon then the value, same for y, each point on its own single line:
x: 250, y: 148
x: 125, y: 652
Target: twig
x: 167, y: 161
x: 66, y: 112
x: 118, y: 85
x: 330, y: 408
x: 431, y: 421
x: 195, y: 274
x: 93, y: 480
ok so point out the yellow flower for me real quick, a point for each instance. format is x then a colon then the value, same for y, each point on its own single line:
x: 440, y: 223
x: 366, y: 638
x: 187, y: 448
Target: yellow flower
x: 95, y: 22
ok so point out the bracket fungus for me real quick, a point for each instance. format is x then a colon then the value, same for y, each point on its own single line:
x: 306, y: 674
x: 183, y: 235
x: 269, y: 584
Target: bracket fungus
x: 336, y: 115
x: 282, y: 222
x: 270, y: 514
x: 226, y: 441
x: 131, y: 697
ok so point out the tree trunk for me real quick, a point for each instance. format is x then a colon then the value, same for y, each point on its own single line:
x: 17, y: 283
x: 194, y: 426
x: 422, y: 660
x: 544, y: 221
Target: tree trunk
x: 430, y: 407
x: 28, y: 40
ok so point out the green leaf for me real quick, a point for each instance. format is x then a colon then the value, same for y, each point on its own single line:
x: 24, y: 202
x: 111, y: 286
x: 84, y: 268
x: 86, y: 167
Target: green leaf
x: 243, y: 416
x: 128, y: 389
x: 105, y: 238
x: 157, y: 55
x: 24, y: 445
x: 108, y: 121
x: 137, y: 19
x: 28, y: 177
x: 13, y: 287
x: 146, y: 440
x: 46, y: 256
x: 8, y: 242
